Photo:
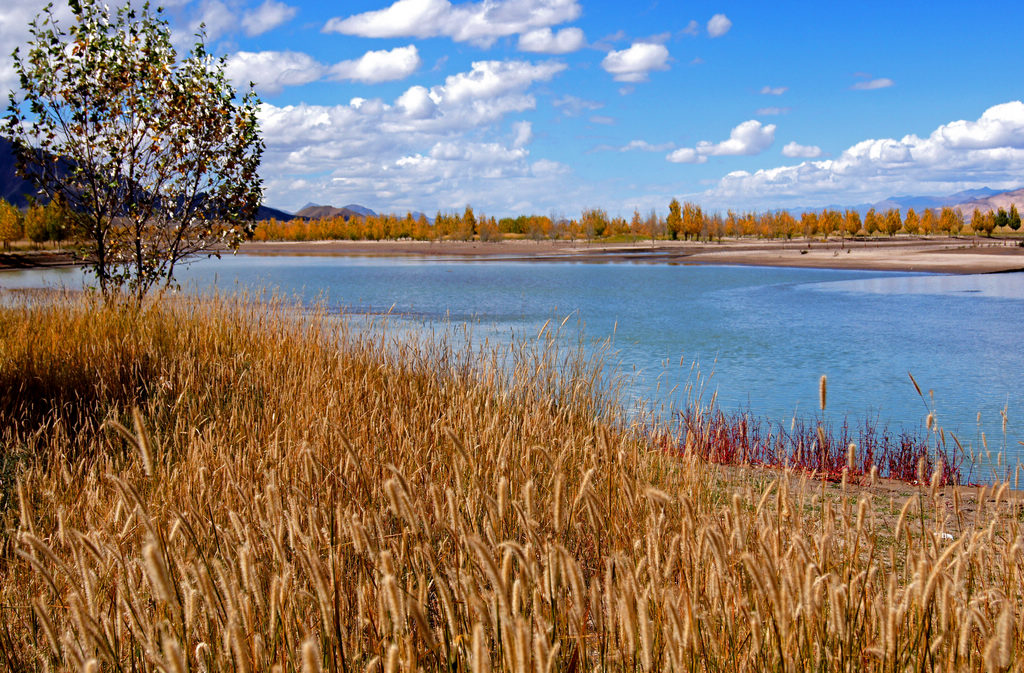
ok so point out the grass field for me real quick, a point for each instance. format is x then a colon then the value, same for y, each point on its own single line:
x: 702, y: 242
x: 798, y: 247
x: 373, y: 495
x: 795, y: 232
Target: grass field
x: 224, y: 485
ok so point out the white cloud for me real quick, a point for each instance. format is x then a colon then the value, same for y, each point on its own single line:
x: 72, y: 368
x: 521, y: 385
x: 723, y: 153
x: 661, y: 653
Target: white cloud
x: 216, y: 18
x: 543, y: 41
x: 871, y: 84
x: 772, y: 111
x: 635, y: 145
x: 523, y: 133
x: 573, y: 106
x: 271, y: 71
x: 379, y: 66
x: 437, y: 147
x: 958, y: 155
x: 602, y: 119
x: 692, y: 29
x: 774, y: 90
x: 719, y: 25
x: 479, y: 23
x: 635, y: 63
x: 748, y: 138
x: 796, y: 150
x: 267, y: 16
x: 686, y: 155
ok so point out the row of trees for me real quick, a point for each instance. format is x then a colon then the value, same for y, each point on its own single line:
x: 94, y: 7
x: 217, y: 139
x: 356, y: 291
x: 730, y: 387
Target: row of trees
x: 37, y: 223
x: 686, y: 221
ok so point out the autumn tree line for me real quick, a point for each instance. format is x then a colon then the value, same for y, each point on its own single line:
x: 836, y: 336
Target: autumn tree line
x: 684, y: 221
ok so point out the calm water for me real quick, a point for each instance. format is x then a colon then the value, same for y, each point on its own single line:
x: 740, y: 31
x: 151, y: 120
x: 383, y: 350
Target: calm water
x: 764, y: 336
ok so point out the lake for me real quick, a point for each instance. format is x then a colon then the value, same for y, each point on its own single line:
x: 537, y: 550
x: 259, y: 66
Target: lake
x: 761, y: 336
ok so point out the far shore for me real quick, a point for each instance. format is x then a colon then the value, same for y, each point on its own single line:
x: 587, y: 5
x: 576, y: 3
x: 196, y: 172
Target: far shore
x: 966, y: 255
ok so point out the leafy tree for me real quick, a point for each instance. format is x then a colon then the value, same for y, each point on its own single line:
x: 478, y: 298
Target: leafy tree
x: 35, y: 224
x: 1014, y: 218
x: 983, y: 223
x: 693, y: 220
x: 951, y: 221
x: 10, y: 224
x: 871, y: 222
x: 155, y: 155
x: 851, y: 222
x: 891, y: 221
x: 674, y: 221
x: 809, y: 223
x: 1002, y: 219
x: 912, y: 223
x: 929, y: 222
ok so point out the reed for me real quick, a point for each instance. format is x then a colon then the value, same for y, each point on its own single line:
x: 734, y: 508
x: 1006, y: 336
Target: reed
x: 296, y: 494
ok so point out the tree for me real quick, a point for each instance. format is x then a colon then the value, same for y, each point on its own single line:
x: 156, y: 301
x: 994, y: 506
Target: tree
x: 674, y: 221
x: 951, y: 220
x: 10, y: 224
x: 928, y: 221
x: 912, y: 223
x: 155, y: 156
x: 1014, y: 218
x: 851, y: 222
x: 35, y: 224
x: 891, y: 221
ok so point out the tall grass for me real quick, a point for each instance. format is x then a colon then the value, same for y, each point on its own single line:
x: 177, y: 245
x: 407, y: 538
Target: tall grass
x: 219, y: 485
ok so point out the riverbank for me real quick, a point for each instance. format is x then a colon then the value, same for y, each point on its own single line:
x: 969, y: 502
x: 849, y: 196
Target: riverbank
x: 938, y: 255
x: 214, y: 482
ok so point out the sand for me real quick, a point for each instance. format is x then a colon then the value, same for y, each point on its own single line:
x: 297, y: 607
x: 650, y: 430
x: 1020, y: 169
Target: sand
x: 939, y: 255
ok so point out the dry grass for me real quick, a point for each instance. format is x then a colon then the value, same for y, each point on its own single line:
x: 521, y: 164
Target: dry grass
x: 294, y: 495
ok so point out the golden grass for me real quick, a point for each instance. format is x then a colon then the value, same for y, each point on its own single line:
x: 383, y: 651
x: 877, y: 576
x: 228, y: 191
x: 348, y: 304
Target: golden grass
x: 297, y: 495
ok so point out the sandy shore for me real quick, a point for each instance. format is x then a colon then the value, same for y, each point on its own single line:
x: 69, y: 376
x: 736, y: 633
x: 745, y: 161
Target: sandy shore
x: 940, y: 255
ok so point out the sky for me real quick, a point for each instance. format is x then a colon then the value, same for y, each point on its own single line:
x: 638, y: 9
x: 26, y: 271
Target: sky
x: 552, y: 106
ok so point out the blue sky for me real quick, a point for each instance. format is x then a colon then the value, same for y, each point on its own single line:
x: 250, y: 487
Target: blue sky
x: 550, y: 106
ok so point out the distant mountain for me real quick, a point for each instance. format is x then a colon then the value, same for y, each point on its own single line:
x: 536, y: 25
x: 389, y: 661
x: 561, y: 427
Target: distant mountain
x: 13, y: 188
x: 994, y: 201
x: 352, y: 210
x: 17, y: 191
x: 922, y: 202
x: 361, y: 210
x: 268, y: 213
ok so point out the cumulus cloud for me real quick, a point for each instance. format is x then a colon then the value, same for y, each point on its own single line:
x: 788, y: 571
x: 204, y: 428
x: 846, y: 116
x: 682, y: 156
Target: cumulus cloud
x: 476, y: 22
x: 379, y: 66
x: 774, y: 90
x: 431, y: 147
x: 748, y: 138
x: 271, y: 71
x: 267, y: 16
x: 543, y: 41
x: 635, y: 63
x: 957, y: 155
x: 796, y: 150
x: 871, y: 84
x: 719, y: 25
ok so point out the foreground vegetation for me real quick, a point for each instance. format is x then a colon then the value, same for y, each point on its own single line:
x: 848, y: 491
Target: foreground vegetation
x: 219, y: 485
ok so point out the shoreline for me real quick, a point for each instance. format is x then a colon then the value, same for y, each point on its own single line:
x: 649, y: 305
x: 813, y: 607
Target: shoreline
x: 936, y: 255
x: 925, y: 255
